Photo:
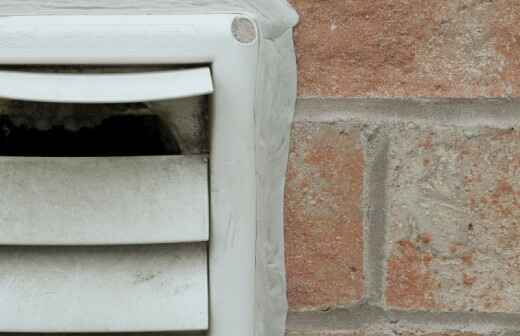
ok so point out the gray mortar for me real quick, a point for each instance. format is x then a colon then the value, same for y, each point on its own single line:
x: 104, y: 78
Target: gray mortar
x: 364, y: 316
x: 480, y: 112
x: 376, y: 147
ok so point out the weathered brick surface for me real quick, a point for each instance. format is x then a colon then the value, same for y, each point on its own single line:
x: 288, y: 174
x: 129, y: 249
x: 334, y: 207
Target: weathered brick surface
x: 324, y: 231
x: 380, y: 333
x: 455, y: 48
x: 390, y: 330
x: 453, y: 220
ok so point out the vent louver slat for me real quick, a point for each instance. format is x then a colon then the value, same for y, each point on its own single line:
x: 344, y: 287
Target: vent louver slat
x: 103, y: 289
x: 103, y: 200
x: 105, y: 88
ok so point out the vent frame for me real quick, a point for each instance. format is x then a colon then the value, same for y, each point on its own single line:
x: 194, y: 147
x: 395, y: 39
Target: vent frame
x: 180, y: 40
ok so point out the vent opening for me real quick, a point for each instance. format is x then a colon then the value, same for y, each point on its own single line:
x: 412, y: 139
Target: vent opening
x: 76, y: 130
x: 122, y: 135
x: 170, y: 127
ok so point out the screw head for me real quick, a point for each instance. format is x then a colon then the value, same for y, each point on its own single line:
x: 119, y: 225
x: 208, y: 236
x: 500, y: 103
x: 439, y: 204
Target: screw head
x: 244, y: 30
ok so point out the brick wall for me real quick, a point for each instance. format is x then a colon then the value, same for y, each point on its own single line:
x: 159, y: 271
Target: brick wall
x: 442, y: 48
x: 403, y: 212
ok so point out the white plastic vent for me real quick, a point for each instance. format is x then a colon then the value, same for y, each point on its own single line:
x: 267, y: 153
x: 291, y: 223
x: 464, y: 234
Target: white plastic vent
x: 147, y: 243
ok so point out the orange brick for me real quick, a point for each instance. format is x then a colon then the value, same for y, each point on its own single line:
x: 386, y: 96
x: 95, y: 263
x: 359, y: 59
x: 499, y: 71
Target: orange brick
x: 324, y: 230
x: 448, y: 48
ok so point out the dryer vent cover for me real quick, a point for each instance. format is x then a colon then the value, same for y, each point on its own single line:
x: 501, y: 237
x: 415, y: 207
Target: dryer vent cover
x: 201, y: 247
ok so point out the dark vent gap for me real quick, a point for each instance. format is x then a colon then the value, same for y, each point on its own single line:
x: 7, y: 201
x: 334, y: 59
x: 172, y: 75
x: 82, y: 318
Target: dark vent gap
x: 120, y: 135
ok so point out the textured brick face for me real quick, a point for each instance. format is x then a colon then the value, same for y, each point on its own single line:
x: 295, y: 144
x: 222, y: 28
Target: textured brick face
x: 379, y: 333
x: 453, y: 216
x: 324, y: 232
x: 386, y: 330
x: 455, y: 48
